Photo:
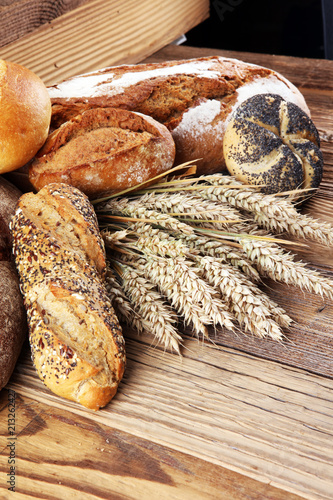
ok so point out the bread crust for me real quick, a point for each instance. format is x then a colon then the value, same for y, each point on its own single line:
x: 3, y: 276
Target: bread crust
x: 76, y: 341
x: 192, y: 98
x: 104, y: 150
x: 25, y: 110
x: 273, y: 143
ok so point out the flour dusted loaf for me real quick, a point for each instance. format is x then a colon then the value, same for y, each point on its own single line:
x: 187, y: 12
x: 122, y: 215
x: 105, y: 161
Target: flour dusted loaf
x: 273, y: 143
x: 104, y: 150
x: 13, y: 324
x: 192, y: 98
x: 76, y: 341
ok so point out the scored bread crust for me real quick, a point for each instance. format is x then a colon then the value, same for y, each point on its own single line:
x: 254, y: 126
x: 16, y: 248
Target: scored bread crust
x: 104, y: 150
x: 76, y: 341
x: 192, y: 98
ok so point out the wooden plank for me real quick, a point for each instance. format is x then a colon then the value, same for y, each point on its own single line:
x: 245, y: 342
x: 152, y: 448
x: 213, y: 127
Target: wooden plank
x: 102, y: 462
x: 102, y: 33
x: 20, y: 17
x: 234, y: 410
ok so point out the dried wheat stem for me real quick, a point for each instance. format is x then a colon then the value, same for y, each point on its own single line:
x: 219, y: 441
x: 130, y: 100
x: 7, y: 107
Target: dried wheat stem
x: 274, y: 213
x: 199, y: 208
x: 272, y: 261
x: 245, y: 305
x: 229, y: 255
x: 136, y: 209
x: 191, y: 296
x: 118, y: 299
x: 156, y: 316
x: 159, y: 242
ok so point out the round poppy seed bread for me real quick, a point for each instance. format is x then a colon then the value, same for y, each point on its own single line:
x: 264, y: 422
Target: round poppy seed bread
x: 272, y: 142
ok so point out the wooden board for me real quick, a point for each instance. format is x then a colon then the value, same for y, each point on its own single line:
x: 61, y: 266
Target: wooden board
x: 252, y: 410
x: 101, y: 33
x: 20, y: 17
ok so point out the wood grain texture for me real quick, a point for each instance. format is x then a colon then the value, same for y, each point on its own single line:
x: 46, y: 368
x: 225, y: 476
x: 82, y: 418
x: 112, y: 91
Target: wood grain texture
x: 259, y: 418
x: 102, y: 33
x: 20, y: 17
x: 110, y: 463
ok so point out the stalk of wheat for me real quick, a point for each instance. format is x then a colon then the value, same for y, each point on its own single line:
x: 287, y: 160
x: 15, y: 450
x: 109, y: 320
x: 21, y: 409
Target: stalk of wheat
x: 194, y: 246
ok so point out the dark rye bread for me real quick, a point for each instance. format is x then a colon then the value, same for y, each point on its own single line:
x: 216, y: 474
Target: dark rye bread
x: 76, y: 340
x: 104, y: 150
x: 13, y: 325
x: 192, y: 98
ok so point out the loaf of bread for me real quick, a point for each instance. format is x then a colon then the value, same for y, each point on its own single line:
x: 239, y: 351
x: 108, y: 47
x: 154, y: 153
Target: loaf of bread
x: 273, y: 143
x: 76, y: 340
x: 192, y: 98
x: 104, y: 150
x: 25, y: 111
x: 13, y: 324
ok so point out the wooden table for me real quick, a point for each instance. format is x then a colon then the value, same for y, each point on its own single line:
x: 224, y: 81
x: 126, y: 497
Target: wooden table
x: 236, y: 419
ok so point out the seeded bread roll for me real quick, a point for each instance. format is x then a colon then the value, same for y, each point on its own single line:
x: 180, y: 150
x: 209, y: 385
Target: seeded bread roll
x: 76, y: 341
x: 13, y: 324
x: 25, y: 111
x: 272, y: 142
x: 192, y: 98
x: 104, y: 150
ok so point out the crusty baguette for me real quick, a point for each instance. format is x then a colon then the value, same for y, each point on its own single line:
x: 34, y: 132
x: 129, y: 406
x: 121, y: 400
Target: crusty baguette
x: 192, y: 98
x: 13, y: 324
x: 104, y: 150
x: 76, y: 340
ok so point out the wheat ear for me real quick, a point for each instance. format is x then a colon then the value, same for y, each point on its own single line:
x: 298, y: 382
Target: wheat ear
x: 136, y: 210
x: 198, y: 208
x: 248, y: 308
x: 119, y: 300
x: 274, y: 213
x: 214, y: 248
x: 190, y: 295
x: 156, y: 316
x: 272, y: 261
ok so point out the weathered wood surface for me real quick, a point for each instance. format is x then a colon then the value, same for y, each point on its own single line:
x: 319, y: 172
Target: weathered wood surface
x: 242, y: 406
x: 58, y: 452
x: 20, y: 17
x: 101, y: 33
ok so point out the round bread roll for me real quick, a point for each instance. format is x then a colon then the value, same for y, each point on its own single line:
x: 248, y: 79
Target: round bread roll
x: 273, y: 143
x: 25, y: 110
x: 102, y: 151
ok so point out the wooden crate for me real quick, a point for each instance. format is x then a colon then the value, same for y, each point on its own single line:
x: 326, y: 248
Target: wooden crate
x: 93, y: 35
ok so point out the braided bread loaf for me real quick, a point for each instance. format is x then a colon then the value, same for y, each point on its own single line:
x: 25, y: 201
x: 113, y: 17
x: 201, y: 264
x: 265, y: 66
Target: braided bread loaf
x: 76, y: 341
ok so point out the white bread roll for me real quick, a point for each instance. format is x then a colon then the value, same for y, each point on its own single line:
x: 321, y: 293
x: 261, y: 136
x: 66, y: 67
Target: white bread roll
x: 25, y: 111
